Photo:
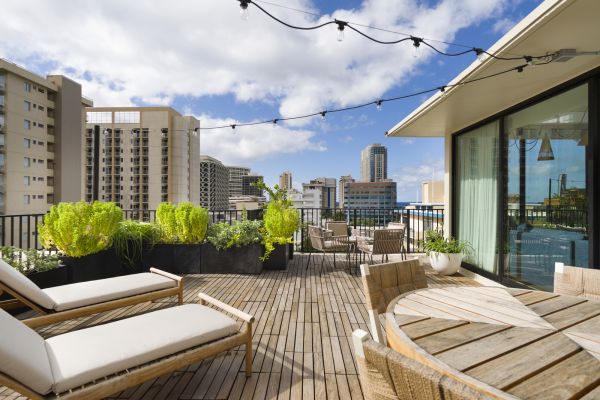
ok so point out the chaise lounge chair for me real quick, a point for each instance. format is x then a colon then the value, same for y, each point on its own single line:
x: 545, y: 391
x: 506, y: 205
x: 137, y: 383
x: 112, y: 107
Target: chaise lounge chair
x: 66, y: 302
x: 102, y: 360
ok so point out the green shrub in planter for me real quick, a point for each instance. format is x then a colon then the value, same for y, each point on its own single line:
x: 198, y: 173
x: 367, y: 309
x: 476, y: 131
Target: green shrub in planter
x: 240, y: 233
x: 132, y: 238
x: 29, y: 261
x: 79, y: 229
x: 184, y: 223
x: 280, y: 219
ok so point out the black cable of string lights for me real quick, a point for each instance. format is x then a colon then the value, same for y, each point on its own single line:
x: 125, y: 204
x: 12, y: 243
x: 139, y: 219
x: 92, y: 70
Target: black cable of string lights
x: 519, y: 69
x: 417, y: 41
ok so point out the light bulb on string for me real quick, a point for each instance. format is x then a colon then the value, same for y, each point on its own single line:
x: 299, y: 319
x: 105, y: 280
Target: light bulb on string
x: 480, y: 53
x: 340, y: 28
x: 529, y: 61
x: 323, y: 114
x: 232, y: 128
x: 416, y: 44
x: 274, y: 125
x: 379, y: 104
x: 442, y: 91
x: 244, y: 10
x: 520, y: 72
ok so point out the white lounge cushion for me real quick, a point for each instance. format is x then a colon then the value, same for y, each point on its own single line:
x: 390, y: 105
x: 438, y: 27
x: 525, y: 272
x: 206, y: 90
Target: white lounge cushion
x: 93, y: 292
x: 81, y: 356
x: 23, y: 355
x: 24, y: 286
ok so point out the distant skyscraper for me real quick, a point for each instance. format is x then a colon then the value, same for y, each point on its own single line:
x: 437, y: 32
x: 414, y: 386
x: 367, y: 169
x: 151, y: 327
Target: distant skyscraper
x: 343, y: 180
x: 214, y: 184
x: 327, y: 187
x: 235, y: 179
x: 285, y: 180
x: 248, y: 189
x: 372, y: 195
x: 373, y: 163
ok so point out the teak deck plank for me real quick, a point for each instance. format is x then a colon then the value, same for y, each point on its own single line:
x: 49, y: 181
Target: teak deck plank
x: 302, y: 335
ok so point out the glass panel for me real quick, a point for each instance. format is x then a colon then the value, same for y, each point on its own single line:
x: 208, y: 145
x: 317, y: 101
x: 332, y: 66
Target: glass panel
x: 477, y: 189
x: 546, y: 207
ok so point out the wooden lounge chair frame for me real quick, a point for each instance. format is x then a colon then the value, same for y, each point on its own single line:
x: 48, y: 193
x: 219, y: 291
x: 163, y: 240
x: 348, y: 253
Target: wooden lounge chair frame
x: 48, y: 317
x: 134, y: 376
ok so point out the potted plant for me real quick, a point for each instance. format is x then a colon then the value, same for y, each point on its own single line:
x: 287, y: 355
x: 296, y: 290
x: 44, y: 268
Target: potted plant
x: 42, y: 267
x: 83, y: 233
x: 445, y: 254
x: 234, y: 248
x: 132, y: 240
x: 280, y: 220
x: 183, y: 228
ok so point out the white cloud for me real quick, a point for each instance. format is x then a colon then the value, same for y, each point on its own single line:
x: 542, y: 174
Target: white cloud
x: 503, y: 25
x: 252, y: 143
x: 410, y: 178
x: 408, y: 140
x: 154, y: 50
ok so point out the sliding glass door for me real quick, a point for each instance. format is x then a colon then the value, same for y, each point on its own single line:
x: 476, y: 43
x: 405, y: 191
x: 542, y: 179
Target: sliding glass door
x: 546, y: 194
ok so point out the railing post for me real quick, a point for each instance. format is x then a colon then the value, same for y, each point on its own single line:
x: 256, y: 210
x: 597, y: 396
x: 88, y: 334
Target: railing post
x: 302, y: 230
x: 410, y: 245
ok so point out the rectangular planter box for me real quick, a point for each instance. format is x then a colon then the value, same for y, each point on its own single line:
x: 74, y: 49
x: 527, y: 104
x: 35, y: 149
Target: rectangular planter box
x: 278, y: 259
x: 101, y: 265
x: 175, y: 258
x: 55, y: 277
x: 235, y: 260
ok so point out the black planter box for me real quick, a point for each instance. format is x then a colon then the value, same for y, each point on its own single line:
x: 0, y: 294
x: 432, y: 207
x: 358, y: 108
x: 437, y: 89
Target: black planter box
x: 175, y: 258
x: 101, y: 265
x: 278, y: 259
x: 235, y: 260
x: 55, y: 277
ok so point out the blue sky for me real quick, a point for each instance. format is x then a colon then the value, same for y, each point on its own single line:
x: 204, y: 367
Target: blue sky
x: 200, y: 58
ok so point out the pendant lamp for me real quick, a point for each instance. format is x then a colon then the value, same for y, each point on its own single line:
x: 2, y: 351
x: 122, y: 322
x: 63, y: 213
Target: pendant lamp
x: 546, y: 153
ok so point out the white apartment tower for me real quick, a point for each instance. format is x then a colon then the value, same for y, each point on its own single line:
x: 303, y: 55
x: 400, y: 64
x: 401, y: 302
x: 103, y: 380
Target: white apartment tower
x: 373, y: 163
x: 146, y: 155
x: 41, y: 125
x: 214, y: 184
x: 344, y: 179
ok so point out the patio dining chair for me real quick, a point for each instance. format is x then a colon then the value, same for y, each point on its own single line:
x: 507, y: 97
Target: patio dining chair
x: 384, y: 243
x: 386, y: 375
x: 322, y: 243
x: 337, y: 228
x: 383, y: 282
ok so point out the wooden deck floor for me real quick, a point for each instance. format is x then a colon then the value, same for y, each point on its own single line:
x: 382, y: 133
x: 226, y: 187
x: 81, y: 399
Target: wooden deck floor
x: 302, y: 336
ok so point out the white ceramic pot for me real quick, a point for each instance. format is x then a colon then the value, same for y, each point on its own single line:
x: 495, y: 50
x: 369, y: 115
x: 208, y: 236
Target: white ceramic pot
x: 445, y: 264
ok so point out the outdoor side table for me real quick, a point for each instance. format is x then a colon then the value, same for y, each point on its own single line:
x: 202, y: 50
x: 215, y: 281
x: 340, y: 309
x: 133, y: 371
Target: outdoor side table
x: 507, y: 343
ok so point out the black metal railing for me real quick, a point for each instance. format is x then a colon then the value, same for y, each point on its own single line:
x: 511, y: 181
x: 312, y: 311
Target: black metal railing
x: 22, y: 230
x: 561, y: 216
x: 416, y: 222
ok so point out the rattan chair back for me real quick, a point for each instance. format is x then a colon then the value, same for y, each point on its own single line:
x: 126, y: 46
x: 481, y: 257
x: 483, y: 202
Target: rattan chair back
x: 338, y: 228
x: 387, y: 241
x: 317, y: 239
x: 576, y: 281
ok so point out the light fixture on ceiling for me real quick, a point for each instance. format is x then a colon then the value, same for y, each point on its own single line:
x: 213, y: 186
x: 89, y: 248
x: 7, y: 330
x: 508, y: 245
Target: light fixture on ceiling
x: 546, y: 153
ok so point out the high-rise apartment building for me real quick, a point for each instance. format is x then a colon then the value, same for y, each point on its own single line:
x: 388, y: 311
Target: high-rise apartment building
x: 235, y: 179
x: 327, y: 187
x: 285, y: 180
x: 343, y: 180
x: 248, y: 188
x: 41, y: 127
x: 373, y: 195
x: 214, y: 184
x: 373, y: 163
x: 147, y: 155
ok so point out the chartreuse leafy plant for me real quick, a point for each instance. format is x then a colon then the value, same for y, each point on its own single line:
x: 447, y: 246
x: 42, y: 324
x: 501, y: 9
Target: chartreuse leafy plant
x: 184, y: 223
x: 279, y: 218
x: 132, y: 238
x: 436, y: 242
x: 79, y: 229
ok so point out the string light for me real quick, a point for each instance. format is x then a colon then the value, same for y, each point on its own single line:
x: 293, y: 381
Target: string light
x: 519, y: 69
x: 379, y: 105
x: 275, y: 122
x: 416, y: 41
x: 340, y: 27
x: 244, y: 9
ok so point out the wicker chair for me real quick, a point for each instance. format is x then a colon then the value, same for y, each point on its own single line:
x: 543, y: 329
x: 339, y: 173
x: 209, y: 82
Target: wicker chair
x: 383, y: 282
x: 337, y: 228
x: 575, y: 281
x: 385, y: 242
x: 327, y: 244
x: 386, y: 375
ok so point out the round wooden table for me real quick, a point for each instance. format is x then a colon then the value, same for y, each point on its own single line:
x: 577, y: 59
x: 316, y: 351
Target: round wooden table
x: 505, y: 342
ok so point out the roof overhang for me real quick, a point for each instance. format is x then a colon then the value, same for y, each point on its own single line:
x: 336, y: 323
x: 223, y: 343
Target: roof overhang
x: 554, y: 25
